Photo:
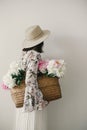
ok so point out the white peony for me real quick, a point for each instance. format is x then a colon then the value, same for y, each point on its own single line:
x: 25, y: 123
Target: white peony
x: 8, y: 81
x: 15, y: 66
x: 61, y: 70
x: 56, y: 67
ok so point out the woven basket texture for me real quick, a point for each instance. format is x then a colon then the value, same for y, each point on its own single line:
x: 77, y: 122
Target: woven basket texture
x: 49, y: 86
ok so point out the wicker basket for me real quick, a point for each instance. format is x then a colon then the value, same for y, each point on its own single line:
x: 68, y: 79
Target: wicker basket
x: 49, y: 86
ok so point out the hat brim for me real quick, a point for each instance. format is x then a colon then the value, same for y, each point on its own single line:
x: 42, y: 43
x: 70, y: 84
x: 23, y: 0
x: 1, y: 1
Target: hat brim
x: 37, y: 40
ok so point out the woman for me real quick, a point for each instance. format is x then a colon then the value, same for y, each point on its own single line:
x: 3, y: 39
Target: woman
x: 33, y: 115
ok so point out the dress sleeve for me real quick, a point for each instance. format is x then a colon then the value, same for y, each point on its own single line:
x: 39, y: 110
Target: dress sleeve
x: 31, y: 81
x: 33, y: 96
x: 32, y: 69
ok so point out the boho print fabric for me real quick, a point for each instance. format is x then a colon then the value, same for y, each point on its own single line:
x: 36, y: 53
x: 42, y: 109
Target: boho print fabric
x: 33, y: 99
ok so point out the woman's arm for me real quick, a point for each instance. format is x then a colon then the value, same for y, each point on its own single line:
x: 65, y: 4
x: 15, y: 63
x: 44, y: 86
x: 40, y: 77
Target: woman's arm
x: 33, y: 96
x: 31, y: 81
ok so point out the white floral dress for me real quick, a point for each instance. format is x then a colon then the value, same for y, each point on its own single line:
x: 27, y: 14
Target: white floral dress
x: 32, y: 116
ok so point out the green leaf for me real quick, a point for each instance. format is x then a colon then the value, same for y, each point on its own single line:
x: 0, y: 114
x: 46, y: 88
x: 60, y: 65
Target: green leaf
x: 18, y: 82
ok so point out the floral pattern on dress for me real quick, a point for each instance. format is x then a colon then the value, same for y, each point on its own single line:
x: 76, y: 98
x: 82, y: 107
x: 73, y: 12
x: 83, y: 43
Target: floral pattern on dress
x: 33, y: 99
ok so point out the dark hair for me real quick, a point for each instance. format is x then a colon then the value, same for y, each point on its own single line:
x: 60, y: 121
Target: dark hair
x: 37, y: 48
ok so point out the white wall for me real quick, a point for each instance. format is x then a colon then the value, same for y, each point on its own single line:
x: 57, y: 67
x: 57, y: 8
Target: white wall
x: 67, y: 20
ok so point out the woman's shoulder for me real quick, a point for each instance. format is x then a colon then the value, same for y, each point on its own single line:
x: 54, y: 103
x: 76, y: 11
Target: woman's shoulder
x: 32, y: 54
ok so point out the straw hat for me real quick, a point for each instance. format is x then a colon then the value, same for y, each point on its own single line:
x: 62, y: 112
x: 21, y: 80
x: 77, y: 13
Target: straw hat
x: 34, y: 35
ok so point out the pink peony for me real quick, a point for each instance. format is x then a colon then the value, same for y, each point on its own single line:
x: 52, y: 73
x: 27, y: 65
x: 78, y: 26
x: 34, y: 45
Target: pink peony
x: 4, y: 86
x: 42, y: 66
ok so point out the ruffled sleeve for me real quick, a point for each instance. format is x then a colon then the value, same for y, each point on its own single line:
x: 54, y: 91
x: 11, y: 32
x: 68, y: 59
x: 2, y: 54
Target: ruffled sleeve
x: 33, y: 96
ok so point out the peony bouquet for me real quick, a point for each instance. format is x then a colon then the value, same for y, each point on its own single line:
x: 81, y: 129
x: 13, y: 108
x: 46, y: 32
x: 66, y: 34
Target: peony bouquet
x: 52, y: 68
x: 14, y: 75
x: 16, y: 72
